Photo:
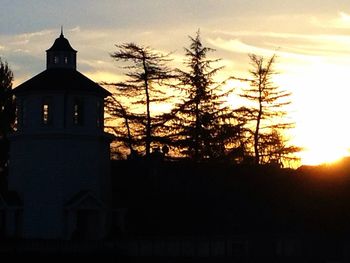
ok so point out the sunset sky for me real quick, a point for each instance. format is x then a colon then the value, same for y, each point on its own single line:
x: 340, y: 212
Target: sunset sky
x: 311, y: 39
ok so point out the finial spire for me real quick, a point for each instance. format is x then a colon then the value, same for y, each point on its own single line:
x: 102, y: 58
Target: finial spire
x: 61, y: 32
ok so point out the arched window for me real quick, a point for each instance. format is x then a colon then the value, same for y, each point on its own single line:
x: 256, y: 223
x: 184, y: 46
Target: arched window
x: 78, y: 111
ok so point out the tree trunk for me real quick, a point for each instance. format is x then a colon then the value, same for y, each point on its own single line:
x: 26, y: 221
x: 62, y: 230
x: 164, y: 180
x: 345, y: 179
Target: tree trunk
x: 196, y: 135
x: 257, y: 128
x: 148, y: 112
x: 256, y: 139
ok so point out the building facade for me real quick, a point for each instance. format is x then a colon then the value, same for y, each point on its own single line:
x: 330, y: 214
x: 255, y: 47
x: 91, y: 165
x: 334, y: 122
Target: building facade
x: 59, y: 156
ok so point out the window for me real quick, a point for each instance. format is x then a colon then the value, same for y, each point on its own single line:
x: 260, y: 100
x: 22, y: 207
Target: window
x: 98, y: 114
x: 65, y: 60
x: 56, y: 60
x: 46, y: 111
x: 18, y: 113
x: 78, y: 112
x: 23, y: 113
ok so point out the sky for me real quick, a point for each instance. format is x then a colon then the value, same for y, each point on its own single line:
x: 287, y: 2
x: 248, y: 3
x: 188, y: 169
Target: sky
x: 310, y: 38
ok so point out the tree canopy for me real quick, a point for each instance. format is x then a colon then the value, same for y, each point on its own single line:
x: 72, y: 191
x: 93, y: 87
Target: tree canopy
x: 201, y: 124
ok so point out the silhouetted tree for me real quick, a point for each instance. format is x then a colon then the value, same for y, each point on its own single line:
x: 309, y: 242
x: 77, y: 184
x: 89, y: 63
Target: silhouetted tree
x: 122, y: 130
x: 268, y: 114
x: 146, y: 73
x: 201, y: 123
x: 241, y: 143
x: 276, y: 150
x: 7, y: 113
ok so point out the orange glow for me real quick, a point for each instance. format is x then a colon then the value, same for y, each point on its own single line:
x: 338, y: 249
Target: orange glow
x: 322, y: 156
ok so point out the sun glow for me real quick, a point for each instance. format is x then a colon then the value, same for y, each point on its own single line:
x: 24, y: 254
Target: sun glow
x: 317, y: 156
x: 321, y: 109
x: 322, y: 147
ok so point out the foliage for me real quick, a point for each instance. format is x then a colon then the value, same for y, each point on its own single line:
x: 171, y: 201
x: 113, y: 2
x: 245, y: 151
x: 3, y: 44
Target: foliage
x: 7, y: 106
x: 7, y: 112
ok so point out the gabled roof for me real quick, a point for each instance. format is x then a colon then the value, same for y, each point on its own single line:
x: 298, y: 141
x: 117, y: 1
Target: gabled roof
x: 61, y: 44
x: 84, y: 199
x: 61, y: 79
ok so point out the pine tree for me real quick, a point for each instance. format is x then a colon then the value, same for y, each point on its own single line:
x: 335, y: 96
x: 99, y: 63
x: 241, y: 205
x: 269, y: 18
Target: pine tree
x: 201, y: 123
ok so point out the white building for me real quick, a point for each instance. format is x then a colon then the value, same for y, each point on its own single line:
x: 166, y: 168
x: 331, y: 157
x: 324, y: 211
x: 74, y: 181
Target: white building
x: 59, y: 156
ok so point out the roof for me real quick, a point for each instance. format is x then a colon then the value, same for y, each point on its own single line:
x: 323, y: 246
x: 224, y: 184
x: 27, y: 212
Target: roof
x: 61, y: 79
x: 61, y: 44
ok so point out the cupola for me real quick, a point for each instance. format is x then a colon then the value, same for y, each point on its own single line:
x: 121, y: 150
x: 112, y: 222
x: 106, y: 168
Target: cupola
x: 61, y: 54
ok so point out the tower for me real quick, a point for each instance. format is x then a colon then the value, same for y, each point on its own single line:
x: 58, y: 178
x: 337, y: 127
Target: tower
x: 59, y: 155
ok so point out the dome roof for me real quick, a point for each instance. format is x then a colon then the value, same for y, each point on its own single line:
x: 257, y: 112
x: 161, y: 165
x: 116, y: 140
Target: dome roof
x: 61, y: 44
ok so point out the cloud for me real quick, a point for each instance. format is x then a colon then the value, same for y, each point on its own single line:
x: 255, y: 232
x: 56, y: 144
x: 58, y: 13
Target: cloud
x: 238, y: 46
x: 341, y: 21
x: 290, y: 45
x: 21, y: 41
x: 27, y: 51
